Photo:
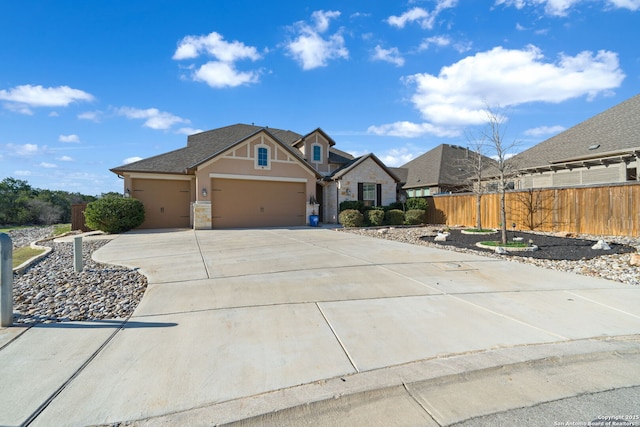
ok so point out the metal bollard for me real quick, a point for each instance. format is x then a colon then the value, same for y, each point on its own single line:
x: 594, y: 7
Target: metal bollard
x: 6, y: 280
x: 77, y: 254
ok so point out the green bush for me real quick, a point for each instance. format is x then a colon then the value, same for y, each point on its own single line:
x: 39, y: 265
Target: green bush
x: 352, y: 204
x: 375, y: 217
x: 351, y: 218
x: 394, y: 217
x: 416, y: 203
x: 114, y: 214
x: 415, y: 217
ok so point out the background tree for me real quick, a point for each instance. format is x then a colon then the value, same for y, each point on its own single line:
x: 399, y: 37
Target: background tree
x: 476, y: 163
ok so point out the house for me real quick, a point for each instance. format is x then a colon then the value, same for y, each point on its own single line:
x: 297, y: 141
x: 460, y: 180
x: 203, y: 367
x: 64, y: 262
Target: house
x: 444, y: 169
x: 251, y: 176
x: 601, y: 150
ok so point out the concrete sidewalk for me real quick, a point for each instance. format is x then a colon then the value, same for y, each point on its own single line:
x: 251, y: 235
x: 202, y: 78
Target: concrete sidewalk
x: 239, y: 323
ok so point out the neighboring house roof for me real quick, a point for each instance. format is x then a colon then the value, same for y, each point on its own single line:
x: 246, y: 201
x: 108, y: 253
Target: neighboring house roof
x: 445, y: 165
x: 401, y: 173
x: 204, y: 146
x: 612, y: 133
x: 340, y: 172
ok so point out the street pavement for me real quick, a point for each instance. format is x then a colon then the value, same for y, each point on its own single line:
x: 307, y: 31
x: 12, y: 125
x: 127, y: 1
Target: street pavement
x: 312, y: 326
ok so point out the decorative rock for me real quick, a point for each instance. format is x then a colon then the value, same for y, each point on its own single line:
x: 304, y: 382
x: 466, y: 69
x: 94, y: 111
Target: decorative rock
x: 518, y: 239
x: 500, y: 250
x: 383, y: 231
x: 51, y: 291
x: 441, y: 237
x: 601, y: 245
x: 635, y: 260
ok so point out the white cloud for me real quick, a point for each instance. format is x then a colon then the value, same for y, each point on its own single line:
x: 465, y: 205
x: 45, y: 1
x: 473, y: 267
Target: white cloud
x: 561, y: 7
x: 389, y: 55
x: 48, y: 165
x: 424, y: 18
x: 188, y: 131
x: 18, y: 108
x: 444, y: 41
x: 222, y: 71
x: 69, y: 138
x: 23, y: 150
x: 22, y: 173
x: 223, y: 74
x: 459, y: 94
x: 25, y: 96
x: 94, y: 116
x: 310, y: 49
x: 154, y: 118
x: 53, y: 114
x: 65, y: 159
x: 405, y: 129
x: 131, y: 160
x: 399, y: 156
x: 544, y: 130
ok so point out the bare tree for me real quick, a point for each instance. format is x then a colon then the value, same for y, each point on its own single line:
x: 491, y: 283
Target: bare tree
x: 494, y: 133
x: 476, y: 163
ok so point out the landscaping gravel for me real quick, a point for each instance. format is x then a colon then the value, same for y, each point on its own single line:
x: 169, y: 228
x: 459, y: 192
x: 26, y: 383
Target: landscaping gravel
x: 571, y: 254
x: 51, y: 291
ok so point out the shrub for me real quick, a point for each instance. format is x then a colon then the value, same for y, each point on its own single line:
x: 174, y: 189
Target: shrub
x: 352, y: 204
x: 416, y: 203
x: 394, y: 217
x: 114, y: 214
x: 375, y: 217
x: 415, y: 217
x: 351, y: 218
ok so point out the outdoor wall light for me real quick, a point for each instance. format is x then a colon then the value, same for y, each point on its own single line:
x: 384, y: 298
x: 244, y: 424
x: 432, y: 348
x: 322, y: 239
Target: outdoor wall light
x: 127, y: 193
x: 204, y: 192
x: 348, y: 191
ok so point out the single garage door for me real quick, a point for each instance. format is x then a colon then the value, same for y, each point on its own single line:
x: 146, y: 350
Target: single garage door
x: 239, y: 203
x: 166, y: 202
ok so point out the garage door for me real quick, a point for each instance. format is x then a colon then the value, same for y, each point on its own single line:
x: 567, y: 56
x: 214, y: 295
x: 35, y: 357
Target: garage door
x: 166, y: 203
x: 247, y: 203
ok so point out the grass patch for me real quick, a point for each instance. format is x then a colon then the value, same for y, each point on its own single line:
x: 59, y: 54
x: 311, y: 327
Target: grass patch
x: 495, y: 244
x: 59, y: 229
x: 21, y: 255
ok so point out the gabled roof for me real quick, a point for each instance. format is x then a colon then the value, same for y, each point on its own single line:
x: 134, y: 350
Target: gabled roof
x: 614, y: 132
x: 444, y: 165
x: 204, y: 146
x: 320, y: 131
x: 339, y: 157
x: 340, y: 172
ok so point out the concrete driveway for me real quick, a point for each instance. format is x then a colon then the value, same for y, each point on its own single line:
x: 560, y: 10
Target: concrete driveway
x: 239, y: 323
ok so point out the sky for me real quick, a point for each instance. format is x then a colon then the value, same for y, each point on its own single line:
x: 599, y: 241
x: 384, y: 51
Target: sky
x: 86, y: 86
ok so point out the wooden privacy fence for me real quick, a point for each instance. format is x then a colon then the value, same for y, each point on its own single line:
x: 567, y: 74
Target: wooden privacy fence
x: 77, y: 217
x: 605, y: 210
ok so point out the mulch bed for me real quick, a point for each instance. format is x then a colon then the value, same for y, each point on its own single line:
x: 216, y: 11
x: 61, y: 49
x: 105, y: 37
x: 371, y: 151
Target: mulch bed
x: 549, y: 247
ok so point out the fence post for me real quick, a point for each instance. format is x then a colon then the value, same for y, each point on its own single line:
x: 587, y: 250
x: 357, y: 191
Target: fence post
x: 6, y: 280
x: 77, y: 254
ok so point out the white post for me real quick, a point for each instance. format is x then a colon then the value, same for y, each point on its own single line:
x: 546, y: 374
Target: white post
x: 6, y: 280
x: 77, y: 253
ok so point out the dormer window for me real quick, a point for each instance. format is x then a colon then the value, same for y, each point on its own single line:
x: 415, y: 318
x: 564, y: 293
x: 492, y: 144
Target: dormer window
x: 316, y: 155
x: 262, y: 157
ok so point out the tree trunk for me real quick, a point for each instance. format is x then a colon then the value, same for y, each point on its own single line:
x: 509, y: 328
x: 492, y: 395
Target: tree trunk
x: 503, y: 214
x: 478, y: 212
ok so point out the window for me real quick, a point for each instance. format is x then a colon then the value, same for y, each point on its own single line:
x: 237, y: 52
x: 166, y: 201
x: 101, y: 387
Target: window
x: 370, y: 194
x: 262, y: 157
x: 317, y: 153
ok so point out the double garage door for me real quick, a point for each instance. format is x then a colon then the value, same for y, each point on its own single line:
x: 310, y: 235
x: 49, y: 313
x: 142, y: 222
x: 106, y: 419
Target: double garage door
x: 237, y: 203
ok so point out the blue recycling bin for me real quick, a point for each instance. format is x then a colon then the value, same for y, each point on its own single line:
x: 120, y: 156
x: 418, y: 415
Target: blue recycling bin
x: 314, y: 220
